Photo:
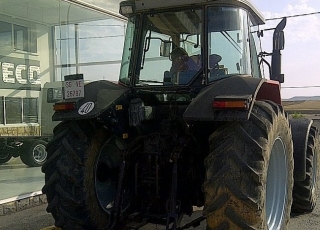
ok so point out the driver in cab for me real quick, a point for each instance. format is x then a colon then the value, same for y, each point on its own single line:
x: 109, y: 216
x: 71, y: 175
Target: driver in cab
x: 182, y: 62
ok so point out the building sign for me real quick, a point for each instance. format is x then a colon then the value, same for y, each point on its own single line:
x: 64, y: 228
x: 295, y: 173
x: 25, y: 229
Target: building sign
x: 18, y: 73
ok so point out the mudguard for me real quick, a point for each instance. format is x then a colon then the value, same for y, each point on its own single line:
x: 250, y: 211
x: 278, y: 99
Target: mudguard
x: 300, y: 132
x: 201, y: 109
x: 99, y: 96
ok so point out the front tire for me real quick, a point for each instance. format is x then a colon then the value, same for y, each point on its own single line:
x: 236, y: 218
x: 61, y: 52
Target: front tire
x: 249, y: 176
x: 81, y: 175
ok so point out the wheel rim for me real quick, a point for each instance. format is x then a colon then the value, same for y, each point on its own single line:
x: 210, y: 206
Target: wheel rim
x: 107, y: 172
x: 277, y: 180
x: 39, y: 153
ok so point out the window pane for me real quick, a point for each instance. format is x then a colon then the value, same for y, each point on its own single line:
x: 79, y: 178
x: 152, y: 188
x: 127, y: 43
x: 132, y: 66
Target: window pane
x: 181, y: 30
x: 33, y: 41
x: 13, y: 110
x: 61, y: 72
x: 124, y: 71
x: 65, y: 43
x: 1, y: 110
x: 30, y: 108
x: 101, y: 72
x: 5, y: 34
x: 100, y: 41
x: 228, y: 42
x: 255, y: 49
x: 21, y: 38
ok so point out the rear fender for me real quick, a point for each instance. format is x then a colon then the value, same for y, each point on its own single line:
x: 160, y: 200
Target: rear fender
x: 300, y: 128
x: 98, y: 97
x: 201, y: 109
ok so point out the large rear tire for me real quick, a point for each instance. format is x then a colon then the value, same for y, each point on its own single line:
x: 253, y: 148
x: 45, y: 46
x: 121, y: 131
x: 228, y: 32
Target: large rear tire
x: 81, y: 174
x: 305, y: 192
x: 249, y: 176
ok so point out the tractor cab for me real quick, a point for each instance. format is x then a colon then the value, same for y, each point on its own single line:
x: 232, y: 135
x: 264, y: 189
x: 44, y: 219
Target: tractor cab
x: 179, y: 44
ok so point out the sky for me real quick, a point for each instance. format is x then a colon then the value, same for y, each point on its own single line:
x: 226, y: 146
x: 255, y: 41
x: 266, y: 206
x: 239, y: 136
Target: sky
x: 301, y: 55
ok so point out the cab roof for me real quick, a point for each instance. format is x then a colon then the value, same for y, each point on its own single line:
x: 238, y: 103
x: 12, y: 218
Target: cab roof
x: 146, y: 5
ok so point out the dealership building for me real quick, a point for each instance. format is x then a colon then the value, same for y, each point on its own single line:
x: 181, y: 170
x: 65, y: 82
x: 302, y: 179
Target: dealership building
x: 41, y: 41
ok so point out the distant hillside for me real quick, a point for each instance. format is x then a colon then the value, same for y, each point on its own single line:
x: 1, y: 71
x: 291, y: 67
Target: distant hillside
x: 302, y: 106
x: 303, y: 98
x: 309, y: 106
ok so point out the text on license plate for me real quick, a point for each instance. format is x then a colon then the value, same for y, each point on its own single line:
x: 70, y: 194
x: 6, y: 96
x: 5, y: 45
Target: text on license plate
x: 73, y: 89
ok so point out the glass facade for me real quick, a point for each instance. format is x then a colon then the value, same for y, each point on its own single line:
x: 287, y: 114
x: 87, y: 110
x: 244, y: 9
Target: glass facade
x: 41, y: 41
x: 91, y: 48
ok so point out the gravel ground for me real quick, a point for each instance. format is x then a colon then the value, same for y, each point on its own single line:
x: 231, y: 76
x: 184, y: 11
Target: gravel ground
x: 309, y: 221
x: 34, y: 218
x: 37, y: 218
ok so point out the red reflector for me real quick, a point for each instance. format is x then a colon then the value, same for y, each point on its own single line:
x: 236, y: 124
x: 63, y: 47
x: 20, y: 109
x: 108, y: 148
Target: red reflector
x: 64, y: 106
x: 219, y: 104
x: 230, y: 105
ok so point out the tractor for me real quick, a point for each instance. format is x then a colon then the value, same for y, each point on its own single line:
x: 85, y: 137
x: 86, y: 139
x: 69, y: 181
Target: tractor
x: 192, y: 122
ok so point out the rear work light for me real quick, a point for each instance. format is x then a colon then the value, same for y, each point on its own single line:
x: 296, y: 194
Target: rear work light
x: 232, y: 102
x: 66, y: 106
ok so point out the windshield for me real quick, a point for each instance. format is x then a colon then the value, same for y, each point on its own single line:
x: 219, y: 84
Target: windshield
x: 168, y: 48
x: 171, y: 49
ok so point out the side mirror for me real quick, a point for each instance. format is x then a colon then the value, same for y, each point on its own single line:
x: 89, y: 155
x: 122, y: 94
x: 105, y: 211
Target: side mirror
x: 278, y: 35
x: 165, y: 48
x: 278, y: 45
x: 278, y: 40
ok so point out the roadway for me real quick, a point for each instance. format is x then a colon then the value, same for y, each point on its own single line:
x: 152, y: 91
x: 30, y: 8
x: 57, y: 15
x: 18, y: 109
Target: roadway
x: 17, y: 179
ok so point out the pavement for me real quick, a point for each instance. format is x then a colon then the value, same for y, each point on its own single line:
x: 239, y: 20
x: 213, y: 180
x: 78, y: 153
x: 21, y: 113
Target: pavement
x: 34, y: 218
x: 18, y: 179
x: 22, y: 205
x: 20, y: 187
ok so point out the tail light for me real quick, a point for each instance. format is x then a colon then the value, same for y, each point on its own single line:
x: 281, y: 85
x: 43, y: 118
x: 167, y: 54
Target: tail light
x: 64, y: 106
x: 232, y: 102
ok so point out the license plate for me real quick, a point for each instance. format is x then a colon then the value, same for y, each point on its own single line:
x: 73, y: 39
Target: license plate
x: 73, y: 89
